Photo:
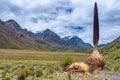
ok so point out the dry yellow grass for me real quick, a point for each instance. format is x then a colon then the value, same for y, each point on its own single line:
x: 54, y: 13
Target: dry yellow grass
x: 39, y: 55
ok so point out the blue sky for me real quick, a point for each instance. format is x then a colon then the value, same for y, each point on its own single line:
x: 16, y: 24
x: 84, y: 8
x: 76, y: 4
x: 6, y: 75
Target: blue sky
x: 65, y: 17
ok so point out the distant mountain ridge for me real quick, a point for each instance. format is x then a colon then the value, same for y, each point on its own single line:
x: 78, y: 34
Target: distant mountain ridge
x: 101, y: 45
x: 69, y: 41
x: 76, y: 41
x: 13, y: 36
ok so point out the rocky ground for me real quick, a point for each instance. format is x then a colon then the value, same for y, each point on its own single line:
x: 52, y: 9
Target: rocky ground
x: 102, y: 75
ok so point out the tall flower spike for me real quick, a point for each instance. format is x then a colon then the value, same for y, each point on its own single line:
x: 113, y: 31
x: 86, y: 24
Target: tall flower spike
x: 96, y: 58
x: 96, y: 27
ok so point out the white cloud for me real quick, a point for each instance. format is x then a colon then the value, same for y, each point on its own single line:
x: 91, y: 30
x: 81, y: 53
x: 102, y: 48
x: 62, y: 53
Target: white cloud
x: 57, y: 14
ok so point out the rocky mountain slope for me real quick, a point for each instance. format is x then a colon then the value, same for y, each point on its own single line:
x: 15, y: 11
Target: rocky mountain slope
x: 13, y: 36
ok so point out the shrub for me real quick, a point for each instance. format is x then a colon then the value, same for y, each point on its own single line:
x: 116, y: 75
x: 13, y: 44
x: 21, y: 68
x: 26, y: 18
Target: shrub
x: 22, y: 74
x: 67, y: 61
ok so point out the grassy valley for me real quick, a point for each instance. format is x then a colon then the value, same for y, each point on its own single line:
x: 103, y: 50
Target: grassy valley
x: 32, y: 64
x: 42, y: 65
x: 12, y: 54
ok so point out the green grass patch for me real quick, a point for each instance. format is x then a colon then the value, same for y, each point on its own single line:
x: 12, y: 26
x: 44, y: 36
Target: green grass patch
x: 113, y: 61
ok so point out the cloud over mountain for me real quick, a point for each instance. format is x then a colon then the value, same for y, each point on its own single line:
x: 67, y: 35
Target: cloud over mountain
x: 65, y: 17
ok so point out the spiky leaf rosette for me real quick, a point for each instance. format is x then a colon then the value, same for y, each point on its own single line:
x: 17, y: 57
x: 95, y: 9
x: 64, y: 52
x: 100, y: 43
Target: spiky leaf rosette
x: 79, y: 67
x: 96, y: 58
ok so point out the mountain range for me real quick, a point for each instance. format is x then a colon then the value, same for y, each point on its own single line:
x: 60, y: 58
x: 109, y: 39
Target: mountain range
x: 13, y: 36
x: 52, y: 37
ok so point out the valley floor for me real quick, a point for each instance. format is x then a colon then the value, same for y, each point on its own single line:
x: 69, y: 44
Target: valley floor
x: 32, y: 64
x: 43, y: 65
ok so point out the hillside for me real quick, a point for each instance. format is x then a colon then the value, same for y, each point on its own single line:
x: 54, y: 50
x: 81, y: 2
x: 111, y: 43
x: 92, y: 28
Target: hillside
x: 111, y: 47
x: 112, y: 54
x: 113, y: 61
